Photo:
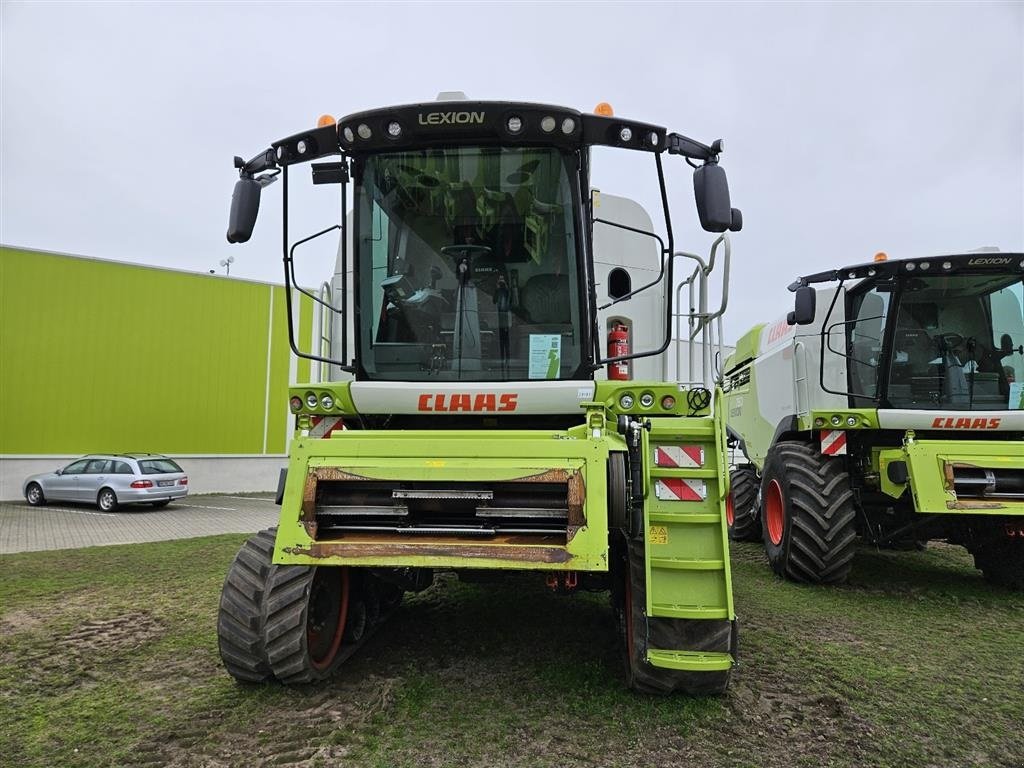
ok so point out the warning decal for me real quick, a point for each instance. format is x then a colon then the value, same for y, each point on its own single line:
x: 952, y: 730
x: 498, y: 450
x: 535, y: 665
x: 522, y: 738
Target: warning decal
x: 323, y: 426
x: 680, y: 489
x: 833, y: 442
x: 683, y: 456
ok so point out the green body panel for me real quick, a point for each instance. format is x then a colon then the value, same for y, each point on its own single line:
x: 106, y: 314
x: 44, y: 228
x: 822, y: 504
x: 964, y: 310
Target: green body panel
x: 746, y: 347
x: 929, y: 465
x: 458, y: 456
x: 864, y: 418
x: 744, y: 415
x: 139, y: 359
x: 687, y: 552
x: 686, y: 542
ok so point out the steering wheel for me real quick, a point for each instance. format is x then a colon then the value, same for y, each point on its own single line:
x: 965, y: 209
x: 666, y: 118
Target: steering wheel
x: 468, y: 249
x: 949, y: 340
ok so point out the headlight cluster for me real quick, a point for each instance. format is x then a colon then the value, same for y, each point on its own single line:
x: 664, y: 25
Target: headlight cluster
x: 841, y: 421
x: 627, y: 401
x: 323, y: 401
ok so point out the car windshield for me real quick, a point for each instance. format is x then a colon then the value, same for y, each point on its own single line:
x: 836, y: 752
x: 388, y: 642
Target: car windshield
x: 956, y: 343
x: 468, y: 265
x: 157, y: 466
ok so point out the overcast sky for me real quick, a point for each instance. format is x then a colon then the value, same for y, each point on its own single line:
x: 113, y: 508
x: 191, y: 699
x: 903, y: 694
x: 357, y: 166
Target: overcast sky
x: 849, y: 128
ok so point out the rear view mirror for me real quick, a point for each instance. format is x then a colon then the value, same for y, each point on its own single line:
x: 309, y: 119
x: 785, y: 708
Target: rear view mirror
x: 711, y: 190
x: 803, y: 311
x: 245, y: 204
x: 59, y: 471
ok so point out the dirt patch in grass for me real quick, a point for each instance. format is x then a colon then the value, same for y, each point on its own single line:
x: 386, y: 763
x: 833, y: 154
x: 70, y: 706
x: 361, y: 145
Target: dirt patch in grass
x: 916, y: 662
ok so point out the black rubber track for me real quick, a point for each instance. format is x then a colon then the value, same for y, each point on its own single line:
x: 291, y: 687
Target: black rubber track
x: 746, y: 520
x: 1001, y: 561
x: 683, y: 634
x: 819, y: 535
x: 240, y: 617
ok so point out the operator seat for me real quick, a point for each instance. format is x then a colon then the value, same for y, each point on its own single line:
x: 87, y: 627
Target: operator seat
x: 544, y: 308
x: 545, y: 300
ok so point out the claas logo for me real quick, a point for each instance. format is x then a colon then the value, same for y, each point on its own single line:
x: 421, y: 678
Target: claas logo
x: 949, y: 422
x: 468, y: 402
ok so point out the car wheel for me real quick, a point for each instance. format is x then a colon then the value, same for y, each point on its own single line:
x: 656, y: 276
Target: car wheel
x: 34, y: 495
x: 107, y: 500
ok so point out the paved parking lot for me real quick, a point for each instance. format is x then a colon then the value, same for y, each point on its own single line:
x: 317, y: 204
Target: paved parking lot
x: 66, y: 526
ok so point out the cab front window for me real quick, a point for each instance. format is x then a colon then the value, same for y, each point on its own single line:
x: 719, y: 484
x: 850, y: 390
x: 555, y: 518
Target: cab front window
x: 469, y: 266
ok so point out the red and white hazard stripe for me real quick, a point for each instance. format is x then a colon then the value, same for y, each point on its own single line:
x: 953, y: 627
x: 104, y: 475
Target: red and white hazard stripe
x: 833, y: 442
x: 686, y: 456
x: 323, y: 426
x: 680, y: 489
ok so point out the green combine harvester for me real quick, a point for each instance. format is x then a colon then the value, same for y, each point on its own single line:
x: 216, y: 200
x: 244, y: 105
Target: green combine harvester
x: 469, y: 415
x: 887, y: 406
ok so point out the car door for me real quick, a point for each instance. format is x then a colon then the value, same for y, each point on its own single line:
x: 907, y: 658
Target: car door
x: 64, y: 486
x: 92, y: 479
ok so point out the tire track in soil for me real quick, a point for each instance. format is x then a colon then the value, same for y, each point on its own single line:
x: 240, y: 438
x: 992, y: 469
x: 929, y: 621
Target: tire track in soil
x: 74, y: 658
x: 288, y: 734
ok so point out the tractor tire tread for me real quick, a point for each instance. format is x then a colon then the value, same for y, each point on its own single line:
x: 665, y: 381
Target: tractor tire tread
x: 746, y: 525
x: 239, y: 617
x: 822, y: 515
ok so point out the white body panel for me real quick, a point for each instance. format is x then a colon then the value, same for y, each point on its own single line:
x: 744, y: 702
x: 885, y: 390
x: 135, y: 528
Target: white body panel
x: 456, y: 398
x: 644, y: 314
x: 977, y: 421
x: 787, y: 366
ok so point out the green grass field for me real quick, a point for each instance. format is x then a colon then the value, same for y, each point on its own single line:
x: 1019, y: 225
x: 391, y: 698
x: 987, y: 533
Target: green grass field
x: 108, y: 656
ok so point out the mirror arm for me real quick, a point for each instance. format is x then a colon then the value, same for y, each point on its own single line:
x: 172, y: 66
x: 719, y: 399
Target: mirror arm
x: 264, y: 161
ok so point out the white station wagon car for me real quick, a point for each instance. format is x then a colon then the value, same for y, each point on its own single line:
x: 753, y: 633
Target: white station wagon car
x: 109, y: 480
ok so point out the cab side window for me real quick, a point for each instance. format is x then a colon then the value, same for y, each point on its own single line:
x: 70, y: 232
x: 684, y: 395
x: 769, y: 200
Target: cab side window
x: 97, y: 467
x: 121, y: 468
x: 866, y: 331
x: 76, y: 468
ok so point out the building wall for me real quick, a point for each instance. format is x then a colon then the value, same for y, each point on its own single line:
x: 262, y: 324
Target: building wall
x: 100, y: 356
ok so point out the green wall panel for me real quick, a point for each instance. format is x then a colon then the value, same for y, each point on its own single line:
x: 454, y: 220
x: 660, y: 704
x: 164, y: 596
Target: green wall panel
x: 103, y: 356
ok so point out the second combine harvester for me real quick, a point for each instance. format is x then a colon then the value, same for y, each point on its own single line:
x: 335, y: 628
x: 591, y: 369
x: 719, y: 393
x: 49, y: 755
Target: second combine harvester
x: 888, y: 405
x: 485, y: 424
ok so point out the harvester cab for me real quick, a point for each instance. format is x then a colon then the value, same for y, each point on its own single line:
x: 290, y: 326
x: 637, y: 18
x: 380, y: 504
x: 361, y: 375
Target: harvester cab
x: 463, y: 418
x: 887, y: 404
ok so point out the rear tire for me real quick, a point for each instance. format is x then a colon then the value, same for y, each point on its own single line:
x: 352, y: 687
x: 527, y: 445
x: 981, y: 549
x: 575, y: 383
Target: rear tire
x: 636, y: 630
x: 741, y: 510
x: 807, y: 514
x: 1001, y: 562
x: 34, y: 495
x: 106, y: 500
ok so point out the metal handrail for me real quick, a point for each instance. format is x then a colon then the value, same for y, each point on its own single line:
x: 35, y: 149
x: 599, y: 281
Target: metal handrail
x: 324, y: 299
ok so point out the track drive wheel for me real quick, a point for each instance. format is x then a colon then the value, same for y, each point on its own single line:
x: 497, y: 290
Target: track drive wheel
x: 240, y: 617
x: 807, y: 514
x: 741, y: 512
x: 636, y: 630
x: 1001, y: 561
x: 294, y: 623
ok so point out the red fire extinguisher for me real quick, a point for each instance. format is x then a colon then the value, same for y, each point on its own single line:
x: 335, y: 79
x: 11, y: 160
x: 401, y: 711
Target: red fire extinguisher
x: 618, y: 345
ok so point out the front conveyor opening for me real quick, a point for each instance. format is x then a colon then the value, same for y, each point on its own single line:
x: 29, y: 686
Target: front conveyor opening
x: 472, y: 510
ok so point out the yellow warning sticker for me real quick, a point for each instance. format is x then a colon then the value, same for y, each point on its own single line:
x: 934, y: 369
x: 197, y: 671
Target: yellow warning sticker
x: 658, y: 534
x: 436, y: 463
